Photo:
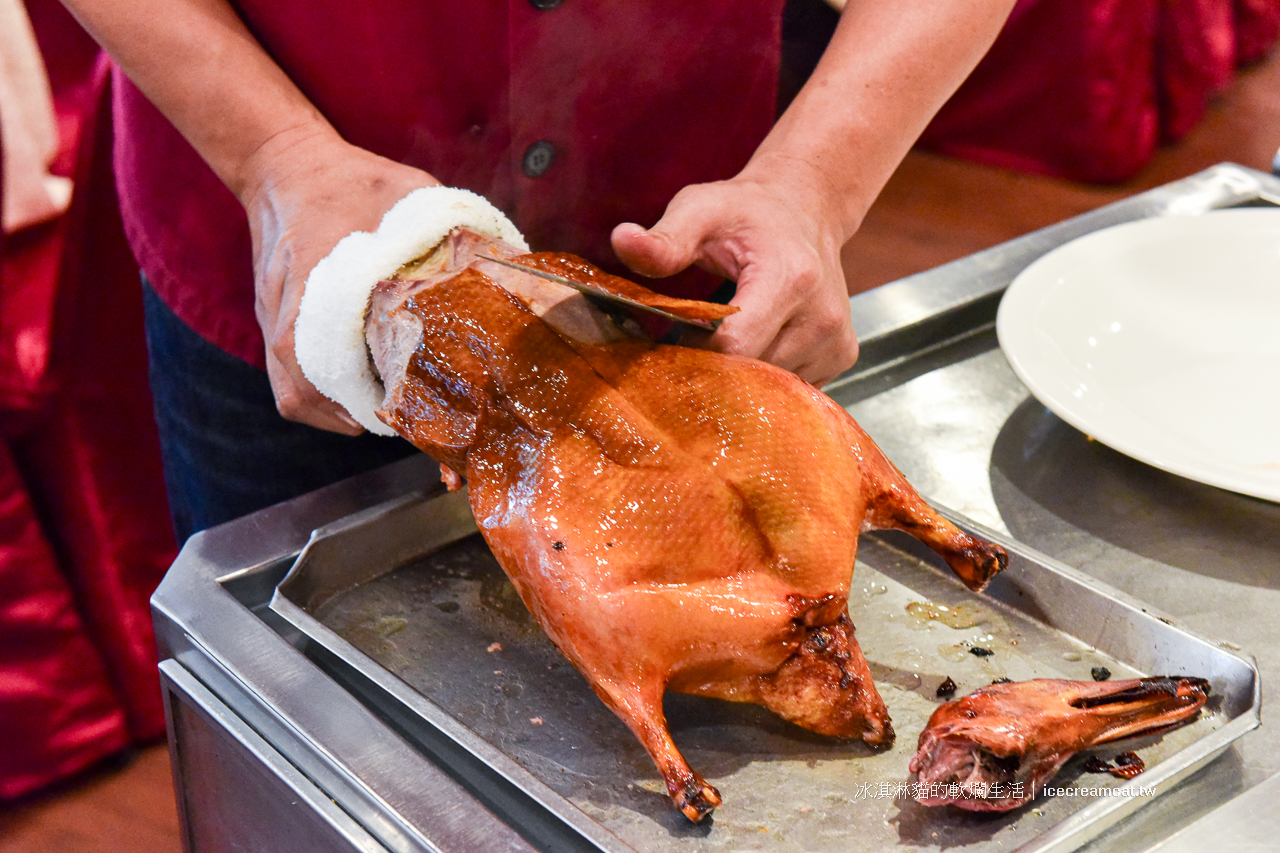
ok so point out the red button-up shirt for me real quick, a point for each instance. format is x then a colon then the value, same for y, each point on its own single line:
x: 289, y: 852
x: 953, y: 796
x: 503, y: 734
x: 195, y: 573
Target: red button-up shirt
x: 570, y: 116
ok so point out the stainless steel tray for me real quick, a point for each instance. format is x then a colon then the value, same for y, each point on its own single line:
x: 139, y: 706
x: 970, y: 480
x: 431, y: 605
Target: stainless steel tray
x: 405, y: 600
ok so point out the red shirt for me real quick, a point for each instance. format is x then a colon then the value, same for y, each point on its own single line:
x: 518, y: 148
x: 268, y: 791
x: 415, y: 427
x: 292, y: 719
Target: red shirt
x: 569, y: 115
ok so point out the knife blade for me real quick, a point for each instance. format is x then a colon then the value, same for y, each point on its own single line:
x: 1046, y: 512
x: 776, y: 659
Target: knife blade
x: 605, y: 295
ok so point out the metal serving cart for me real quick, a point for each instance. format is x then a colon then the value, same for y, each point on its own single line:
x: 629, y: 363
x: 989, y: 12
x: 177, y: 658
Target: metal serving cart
x: 350, y: 670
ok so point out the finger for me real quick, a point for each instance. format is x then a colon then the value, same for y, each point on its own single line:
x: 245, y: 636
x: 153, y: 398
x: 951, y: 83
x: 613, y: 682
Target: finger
x: 766, y: 299
x: 813, y: 336
x: 298, y: 400
x: 819, y: 373
x: 815, y: 351
x: 828, y: 364
x: 692, y: 230
x: 791, y: 316
x: 751, y: 331
x: 820, y: 341
x: 654, y: 253
x: 277, y: 308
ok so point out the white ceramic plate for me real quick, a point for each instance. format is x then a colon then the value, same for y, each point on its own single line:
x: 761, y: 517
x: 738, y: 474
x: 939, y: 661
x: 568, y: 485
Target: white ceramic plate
x: 1161, y: 339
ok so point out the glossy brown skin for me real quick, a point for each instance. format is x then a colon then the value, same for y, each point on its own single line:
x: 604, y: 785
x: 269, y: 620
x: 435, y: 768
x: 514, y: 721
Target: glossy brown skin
x: 675, y: 518
x: 994, y: 749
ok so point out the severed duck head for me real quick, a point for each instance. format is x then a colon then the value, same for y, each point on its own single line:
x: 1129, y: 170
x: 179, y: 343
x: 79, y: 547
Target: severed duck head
x: 992, y: 750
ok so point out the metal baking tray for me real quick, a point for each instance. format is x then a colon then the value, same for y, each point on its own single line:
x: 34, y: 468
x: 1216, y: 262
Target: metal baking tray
x: 405, y: 606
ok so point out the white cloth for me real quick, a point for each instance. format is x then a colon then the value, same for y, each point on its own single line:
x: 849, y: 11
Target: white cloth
x: 328, y: 337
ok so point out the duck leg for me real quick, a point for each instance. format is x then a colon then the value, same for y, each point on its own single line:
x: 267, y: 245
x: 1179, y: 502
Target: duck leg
x: 894, y: 505
x: 826, y: 687
x: 641, y: 709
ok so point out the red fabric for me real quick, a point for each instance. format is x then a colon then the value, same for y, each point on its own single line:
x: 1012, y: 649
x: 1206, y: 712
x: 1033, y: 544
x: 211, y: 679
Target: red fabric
x: 1257, y: 28
x: 84, y: 530
x: 58, y: 713
x: 1089, y: 90
x: 1066, y: 89
x: 638, y: 98
x: 32, y: 257
x: 1194, y: 58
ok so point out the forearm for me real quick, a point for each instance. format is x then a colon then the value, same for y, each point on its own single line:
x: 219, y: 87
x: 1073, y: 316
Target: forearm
x: 303, y: 187
x: 889, y: 67
x: 198, y: 63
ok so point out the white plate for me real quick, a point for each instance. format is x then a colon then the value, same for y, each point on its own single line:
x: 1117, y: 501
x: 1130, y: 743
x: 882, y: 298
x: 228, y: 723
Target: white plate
x: 1161, y: 339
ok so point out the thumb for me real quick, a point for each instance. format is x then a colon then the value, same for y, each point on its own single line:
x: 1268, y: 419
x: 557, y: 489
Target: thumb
x: 656, y: 252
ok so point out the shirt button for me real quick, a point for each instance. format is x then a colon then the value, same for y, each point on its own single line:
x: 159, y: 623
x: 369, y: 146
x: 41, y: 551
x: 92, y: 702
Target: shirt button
x: 545, y: 4
x: 537, y: 158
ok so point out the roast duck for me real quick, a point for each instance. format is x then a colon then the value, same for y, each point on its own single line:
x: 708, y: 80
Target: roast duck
x: 675, y: 518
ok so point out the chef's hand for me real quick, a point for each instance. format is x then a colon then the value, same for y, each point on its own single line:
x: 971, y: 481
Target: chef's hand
x: 777, y: 227
x: 308, y: 192
x: 767, y: 230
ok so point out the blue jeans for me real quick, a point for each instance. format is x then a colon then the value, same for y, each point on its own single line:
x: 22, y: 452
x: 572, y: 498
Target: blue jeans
x: 227, y: 451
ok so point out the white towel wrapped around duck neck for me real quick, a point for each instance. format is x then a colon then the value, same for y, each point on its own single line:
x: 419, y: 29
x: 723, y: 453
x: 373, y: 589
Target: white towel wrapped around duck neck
x: 329, y: 337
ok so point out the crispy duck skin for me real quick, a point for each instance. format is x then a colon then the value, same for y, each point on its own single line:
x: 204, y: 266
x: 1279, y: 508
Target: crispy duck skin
x: 994, y: 749
x: 675, y: 518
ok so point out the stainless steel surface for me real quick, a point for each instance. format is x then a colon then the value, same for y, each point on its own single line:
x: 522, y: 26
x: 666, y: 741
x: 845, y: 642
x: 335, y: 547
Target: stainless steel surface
x: 966, y: 432
x: 448, y: 640
x: 1206, y: 559
x: 237, y: 793
x: 210, y: 618
x: 599, y: 293
x: 1248, y: 824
